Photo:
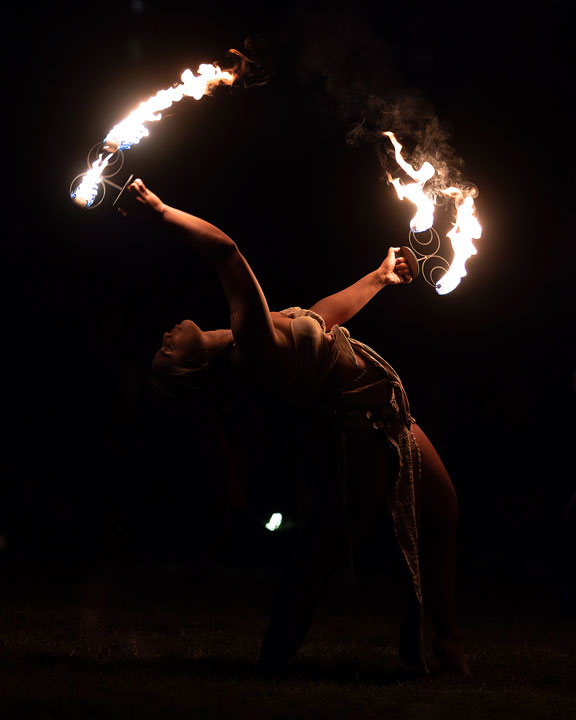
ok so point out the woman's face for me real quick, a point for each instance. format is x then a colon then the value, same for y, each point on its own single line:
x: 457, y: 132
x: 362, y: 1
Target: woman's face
x: 183, y: 344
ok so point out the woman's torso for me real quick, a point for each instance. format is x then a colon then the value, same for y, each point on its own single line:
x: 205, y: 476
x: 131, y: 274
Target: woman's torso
x: 342, y: 369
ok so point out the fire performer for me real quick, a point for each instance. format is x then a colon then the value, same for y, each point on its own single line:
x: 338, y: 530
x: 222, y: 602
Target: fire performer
x: 372, y: 450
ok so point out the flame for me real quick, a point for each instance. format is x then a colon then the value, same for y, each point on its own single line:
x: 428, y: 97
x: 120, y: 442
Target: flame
x: 87, y: 190
x: 132, y: 129
x: 424, y: 218
x: 466, y: 229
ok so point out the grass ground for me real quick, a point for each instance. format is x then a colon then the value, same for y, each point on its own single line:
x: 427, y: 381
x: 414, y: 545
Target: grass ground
x: 164, y: 643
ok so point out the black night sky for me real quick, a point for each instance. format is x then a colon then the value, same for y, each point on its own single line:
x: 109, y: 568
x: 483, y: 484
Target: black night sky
x: 489, y: 368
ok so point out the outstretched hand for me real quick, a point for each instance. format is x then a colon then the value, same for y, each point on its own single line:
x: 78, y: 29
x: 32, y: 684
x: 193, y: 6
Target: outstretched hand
x: 139, y: 199
x: 395, y: 270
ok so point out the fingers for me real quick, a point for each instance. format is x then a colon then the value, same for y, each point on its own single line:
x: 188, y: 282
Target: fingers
x: 139, y: 191
x: 135, y: 192
x: 403, y: 272
x: 137, y: 188
x: 406, y: 264
x: 402, y: 269
x: 396, y: 266
x: 142, y: 200
x: 399, y: 260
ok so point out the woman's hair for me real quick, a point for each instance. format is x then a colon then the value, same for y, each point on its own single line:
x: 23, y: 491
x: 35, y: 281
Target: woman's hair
x: 202, y: 387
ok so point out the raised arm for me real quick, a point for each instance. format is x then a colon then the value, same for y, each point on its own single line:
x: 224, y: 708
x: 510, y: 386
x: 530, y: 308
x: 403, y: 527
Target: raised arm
x: 339, y: 308
x: 250, y: 319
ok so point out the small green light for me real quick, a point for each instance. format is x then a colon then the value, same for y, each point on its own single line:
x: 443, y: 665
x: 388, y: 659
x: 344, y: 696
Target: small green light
x: 274, y: 522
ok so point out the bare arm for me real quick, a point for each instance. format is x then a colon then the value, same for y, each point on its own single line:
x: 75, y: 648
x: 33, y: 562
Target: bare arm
x: 250, y: 319
x: 339, y: 308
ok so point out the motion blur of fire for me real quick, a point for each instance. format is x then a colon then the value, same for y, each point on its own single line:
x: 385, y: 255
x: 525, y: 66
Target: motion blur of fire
x: 133, y: 128
x: 466, y: 226
x: 424, y: 218
x: 466, y: 229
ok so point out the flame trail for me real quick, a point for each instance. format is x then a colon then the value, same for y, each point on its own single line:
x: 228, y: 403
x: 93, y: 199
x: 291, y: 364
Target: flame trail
x: 466, y: 229
x: 132, y: 129
x: 87, y: 190
x: 424, y: 218
x: 466, y: 226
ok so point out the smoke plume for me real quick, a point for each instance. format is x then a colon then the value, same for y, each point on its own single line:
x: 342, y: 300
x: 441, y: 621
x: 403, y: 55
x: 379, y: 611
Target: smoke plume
x: 356, y: 72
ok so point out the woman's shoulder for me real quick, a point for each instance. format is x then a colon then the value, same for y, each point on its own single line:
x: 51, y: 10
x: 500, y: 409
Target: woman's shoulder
x: 281, y: 322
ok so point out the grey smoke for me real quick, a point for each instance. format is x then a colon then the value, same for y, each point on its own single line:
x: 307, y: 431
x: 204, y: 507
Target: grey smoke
x: 359, y: 80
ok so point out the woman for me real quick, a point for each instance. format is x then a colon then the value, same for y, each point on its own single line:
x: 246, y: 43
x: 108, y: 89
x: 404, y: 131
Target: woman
x: 371, y: 451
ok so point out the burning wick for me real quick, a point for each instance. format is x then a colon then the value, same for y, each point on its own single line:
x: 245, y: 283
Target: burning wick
x: 84, y: 193
x: 132, y: 129
x: 87, y: 190
x: 466, y: 227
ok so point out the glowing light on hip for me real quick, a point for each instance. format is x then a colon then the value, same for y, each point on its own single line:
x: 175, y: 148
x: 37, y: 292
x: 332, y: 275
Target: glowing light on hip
x: 274, y: 522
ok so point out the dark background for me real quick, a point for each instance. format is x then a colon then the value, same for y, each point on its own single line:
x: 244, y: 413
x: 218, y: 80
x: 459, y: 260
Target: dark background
x: 489, y: 368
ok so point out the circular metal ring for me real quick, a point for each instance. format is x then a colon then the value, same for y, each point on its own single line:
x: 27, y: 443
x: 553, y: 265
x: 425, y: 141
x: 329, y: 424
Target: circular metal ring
x: 114, y: 165
x: 421, y: 246
x: 428, y: 272
x: 100, y: 194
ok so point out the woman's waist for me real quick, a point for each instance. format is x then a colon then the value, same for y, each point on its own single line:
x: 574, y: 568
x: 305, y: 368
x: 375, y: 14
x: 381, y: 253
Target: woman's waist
x: 375, y: 395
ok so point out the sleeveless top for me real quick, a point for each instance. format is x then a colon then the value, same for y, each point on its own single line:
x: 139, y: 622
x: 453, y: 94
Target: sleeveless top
x: 316, y: 357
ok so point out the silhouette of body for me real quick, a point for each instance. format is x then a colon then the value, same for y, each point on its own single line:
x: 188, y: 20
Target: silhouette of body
x: 371, y: 453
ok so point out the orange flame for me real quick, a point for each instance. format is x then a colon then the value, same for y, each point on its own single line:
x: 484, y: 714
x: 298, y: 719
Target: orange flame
x: 424, y: 218
x: 132, y: 129
x: 466, y: 227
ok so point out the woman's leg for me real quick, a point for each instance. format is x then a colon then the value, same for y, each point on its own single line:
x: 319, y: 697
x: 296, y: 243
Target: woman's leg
x: 297, y: 600
x: 318, y: 552
x: 439, y: 515
x: 327, y: 537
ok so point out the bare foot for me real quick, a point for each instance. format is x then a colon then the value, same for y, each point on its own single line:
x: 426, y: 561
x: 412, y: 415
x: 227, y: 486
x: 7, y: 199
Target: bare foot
x: 409, y: 642
x: 451, y: 655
